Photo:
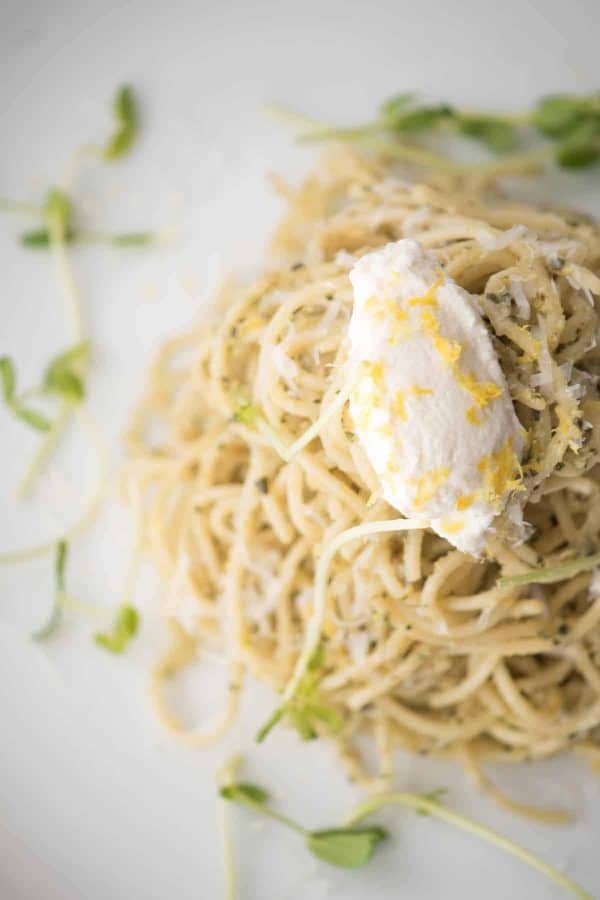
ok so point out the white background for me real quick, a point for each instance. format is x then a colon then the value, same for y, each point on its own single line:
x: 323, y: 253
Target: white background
x: 96, y: 802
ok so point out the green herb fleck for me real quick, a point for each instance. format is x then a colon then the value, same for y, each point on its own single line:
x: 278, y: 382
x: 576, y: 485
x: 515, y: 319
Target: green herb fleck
x: 246, y: 413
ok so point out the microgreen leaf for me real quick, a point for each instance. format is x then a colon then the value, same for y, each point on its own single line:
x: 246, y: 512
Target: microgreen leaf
x: 582, y: 147
x: 125, y: 627
x: 39, y: 238
x: 419, y: 119
x: 395, y: 105
x: 127, y: 121
x: 55, y: 618
x: 496, y: 134
x: 244, y: 791
x: 255, y: 798
x: 124, y: 106
x: 64, y: 373
x: 577, y: 155
x: 8, y: 379
x: 558, y: 114
x: 67, y: 384
x: 120, y: 144
x: 316, y: 660
x: 347, y: 848
x: 33, y: 418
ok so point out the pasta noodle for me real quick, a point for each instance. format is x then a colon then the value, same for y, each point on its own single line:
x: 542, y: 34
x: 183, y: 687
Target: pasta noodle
x: 420, y: 646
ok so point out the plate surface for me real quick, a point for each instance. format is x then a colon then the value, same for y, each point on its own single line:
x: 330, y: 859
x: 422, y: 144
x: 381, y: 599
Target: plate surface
x: 97, y: 802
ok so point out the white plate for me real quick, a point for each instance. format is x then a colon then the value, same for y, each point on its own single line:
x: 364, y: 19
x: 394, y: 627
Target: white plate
x: 96, y: 801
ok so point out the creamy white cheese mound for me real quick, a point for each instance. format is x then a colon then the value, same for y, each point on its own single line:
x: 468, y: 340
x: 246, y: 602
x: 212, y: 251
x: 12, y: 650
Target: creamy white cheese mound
x: 431, y: 405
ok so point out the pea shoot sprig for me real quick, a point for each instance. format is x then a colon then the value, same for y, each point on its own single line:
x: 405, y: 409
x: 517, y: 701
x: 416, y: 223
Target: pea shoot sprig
x: 125, y: 618
x: 64, y: 380
x: 58, y: 227
x: 353, y: 844
x: 306, y: 709
x: 565, y: 129
x: 347, y: 847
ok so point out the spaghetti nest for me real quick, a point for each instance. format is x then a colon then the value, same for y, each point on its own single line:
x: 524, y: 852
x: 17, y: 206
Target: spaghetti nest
x: 418, y: 644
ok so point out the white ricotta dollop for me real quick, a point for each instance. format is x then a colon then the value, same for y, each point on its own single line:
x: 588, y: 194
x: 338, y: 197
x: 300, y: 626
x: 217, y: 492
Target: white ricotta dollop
x: 431, y: 405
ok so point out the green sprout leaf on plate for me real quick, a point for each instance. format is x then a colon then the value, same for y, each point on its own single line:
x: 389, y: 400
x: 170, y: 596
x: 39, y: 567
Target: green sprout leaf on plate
x: 40, y: 239
x: 126, y: 116
x: 559, y: 115
x: 570, y: 125
x: 8, y: 380
x: 345, y: 847
x: 64, y: 374
x: 496, y: 134
x: 354, y: 844
x: 124, y: 628
x: 419, y: 119
x: 243, y: 791
x: 582, y: 146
